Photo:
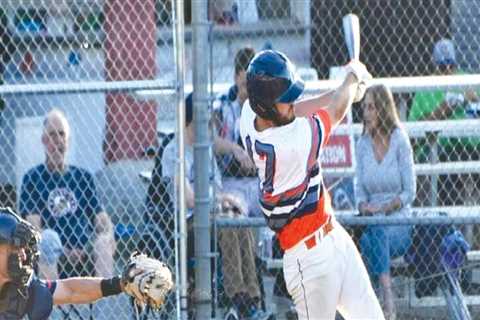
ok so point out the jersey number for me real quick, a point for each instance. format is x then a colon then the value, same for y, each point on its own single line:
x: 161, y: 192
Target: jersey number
x: 266, y: 152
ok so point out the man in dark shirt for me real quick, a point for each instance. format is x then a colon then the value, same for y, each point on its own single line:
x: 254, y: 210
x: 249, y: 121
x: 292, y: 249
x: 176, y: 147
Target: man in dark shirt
x: 63, y: 197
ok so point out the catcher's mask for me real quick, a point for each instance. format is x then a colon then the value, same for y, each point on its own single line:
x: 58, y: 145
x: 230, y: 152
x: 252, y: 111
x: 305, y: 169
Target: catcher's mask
x: 19, y: 234
x: 271, y: 79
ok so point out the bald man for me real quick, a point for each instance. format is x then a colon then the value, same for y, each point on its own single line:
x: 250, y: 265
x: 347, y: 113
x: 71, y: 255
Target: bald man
x: 63, y: 199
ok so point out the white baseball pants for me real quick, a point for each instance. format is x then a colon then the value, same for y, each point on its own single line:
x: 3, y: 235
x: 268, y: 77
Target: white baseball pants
x: 330, y: 276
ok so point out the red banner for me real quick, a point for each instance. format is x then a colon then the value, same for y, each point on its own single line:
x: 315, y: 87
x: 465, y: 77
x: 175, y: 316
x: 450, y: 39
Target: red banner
x: 337, y: 153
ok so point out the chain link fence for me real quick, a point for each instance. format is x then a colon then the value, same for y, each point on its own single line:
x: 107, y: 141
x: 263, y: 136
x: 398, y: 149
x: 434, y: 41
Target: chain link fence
x: 414, y: 267
x: 77, y: 152
x: 113, y: 142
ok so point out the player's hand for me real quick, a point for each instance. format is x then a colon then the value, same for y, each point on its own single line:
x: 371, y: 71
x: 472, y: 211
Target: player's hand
x: 359, y: 70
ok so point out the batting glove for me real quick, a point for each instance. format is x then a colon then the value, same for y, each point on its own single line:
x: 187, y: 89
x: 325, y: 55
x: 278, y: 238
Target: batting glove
x: 361, y: 73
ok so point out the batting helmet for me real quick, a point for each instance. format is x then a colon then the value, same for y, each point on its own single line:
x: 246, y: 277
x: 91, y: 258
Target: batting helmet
x: 271, y: 79
x: 17, y: 232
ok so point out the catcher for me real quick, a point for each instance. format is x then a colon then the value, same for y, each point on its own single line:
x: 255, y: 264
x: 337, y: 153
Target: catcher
x: 147, y: 280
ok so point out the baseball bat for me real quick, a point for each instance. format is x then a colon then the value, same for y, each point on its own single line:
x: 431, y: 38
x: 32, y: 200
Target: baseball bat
x: 351, y: 32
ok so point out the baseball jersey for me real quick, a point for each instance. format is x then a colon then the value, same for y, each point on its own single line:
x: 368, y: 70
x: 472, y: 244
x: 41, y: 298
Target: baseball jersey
x: 292, y: 196
x: 37, y: 305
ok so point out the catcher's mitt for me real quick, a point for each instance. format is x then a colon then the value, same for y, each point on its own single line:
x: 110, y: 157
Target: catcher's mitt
x: 147, y: 280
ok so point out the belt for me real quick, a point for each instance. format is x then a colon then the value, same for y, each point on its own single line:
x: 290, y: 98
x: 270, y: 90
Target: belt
x: 311, y: 241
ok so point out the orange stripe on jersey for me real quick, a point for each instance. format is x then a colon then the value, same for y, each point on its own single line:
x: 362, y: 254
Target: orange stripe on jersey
x: 327, y: 124
x: 303, y: 226
x: 299, y: 228
x: 314, y: 149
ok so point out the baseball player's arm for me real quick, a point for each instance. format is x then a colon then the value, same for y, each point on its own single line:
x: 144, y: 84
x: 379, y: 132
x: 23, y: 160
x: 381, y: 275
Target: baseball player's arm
x: 78, y: 290
x: 335, y: 102
x: 307, y: 107
x: 342, y: 99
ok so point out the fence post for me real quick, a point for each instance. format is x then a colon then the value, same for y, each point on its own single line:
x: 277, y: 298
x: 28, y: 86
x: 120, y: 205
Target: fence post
x: 202, y: 161
x: 181, y: 222
x: 433, y: 140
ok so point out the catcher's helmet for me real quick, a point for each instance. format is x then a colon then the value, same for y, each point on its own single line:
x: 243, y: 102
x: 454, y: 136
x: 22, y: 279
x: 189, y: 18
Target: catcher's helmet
x: 271, y: 79
x: 17, y: 232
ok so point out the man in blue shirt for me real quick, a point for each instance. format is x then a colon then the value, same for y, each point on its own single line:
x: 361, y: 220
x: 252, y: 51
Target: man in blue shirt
x: 63, y: 197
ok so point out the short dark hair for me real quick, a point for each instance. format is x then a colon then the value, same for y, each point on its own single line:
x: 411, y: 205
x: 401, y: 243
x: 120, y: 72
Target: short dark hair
x: 243, y: 58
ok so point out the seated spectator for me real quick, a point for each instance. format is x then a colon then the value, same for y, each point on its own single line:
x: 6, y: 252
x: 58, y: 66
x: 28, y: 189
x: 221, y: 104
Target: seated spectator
x: 385, y: 186
x: 221, y: 11
x: 441, y: 105
x: 238, y: 170
x: 63, y: 198
x: 236, y: 244
x: 158, y: 238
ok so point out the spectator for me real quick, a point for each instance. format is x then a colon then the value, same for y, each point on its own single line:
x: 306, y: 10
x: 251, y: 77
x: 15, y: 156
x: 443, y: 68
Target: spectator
x: 440, y: 105
x: 237, y: 245
x: 385, y: 186
x: 63, y: 197
x: 221, y: 11
x: 233, y: 11
x: 238, y: 170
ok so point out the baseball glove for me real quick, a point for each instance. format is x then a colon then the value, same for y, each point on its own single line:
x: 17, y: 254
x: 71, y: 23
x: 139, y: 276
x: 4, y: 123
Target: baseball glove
x: 147, y: 280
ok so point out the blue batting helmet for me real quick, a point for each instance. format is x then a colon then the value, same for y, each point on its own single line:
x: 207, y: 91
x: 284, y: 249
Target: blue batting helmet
x: 8, y: 225
x: 271, y: 79
x: 17, y: 232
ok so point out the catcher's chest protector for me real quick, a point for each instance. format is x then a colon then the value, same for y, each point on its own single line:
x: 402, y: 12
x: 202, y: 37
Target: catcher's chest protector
x: 38, y: 305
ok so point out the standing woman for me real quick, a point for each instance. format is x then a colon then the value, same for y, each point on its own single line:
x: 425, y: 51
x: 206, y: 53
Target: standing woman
x: 385, y: 186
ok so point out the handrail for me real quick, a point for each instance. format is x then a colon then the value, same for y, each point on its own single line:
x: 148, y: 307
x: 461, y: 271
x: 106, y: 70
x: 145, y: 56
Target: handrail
x: 421, y: 169
x: 421, y: 216
x: 418, y: 129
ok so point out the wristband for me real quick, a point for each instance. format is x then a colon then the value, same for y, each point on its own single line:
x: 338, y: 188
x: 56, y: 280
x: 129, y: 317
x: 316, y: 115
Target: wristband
x: 110, y: 286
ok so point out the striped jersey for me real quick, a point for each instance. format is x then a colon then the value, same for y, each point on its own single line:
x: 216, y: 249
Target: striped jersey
x: 292, y: 195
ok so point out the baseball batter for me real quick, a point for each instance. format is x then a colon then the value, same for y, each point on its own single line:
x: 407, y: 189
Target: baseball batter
x: 322, y: 267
